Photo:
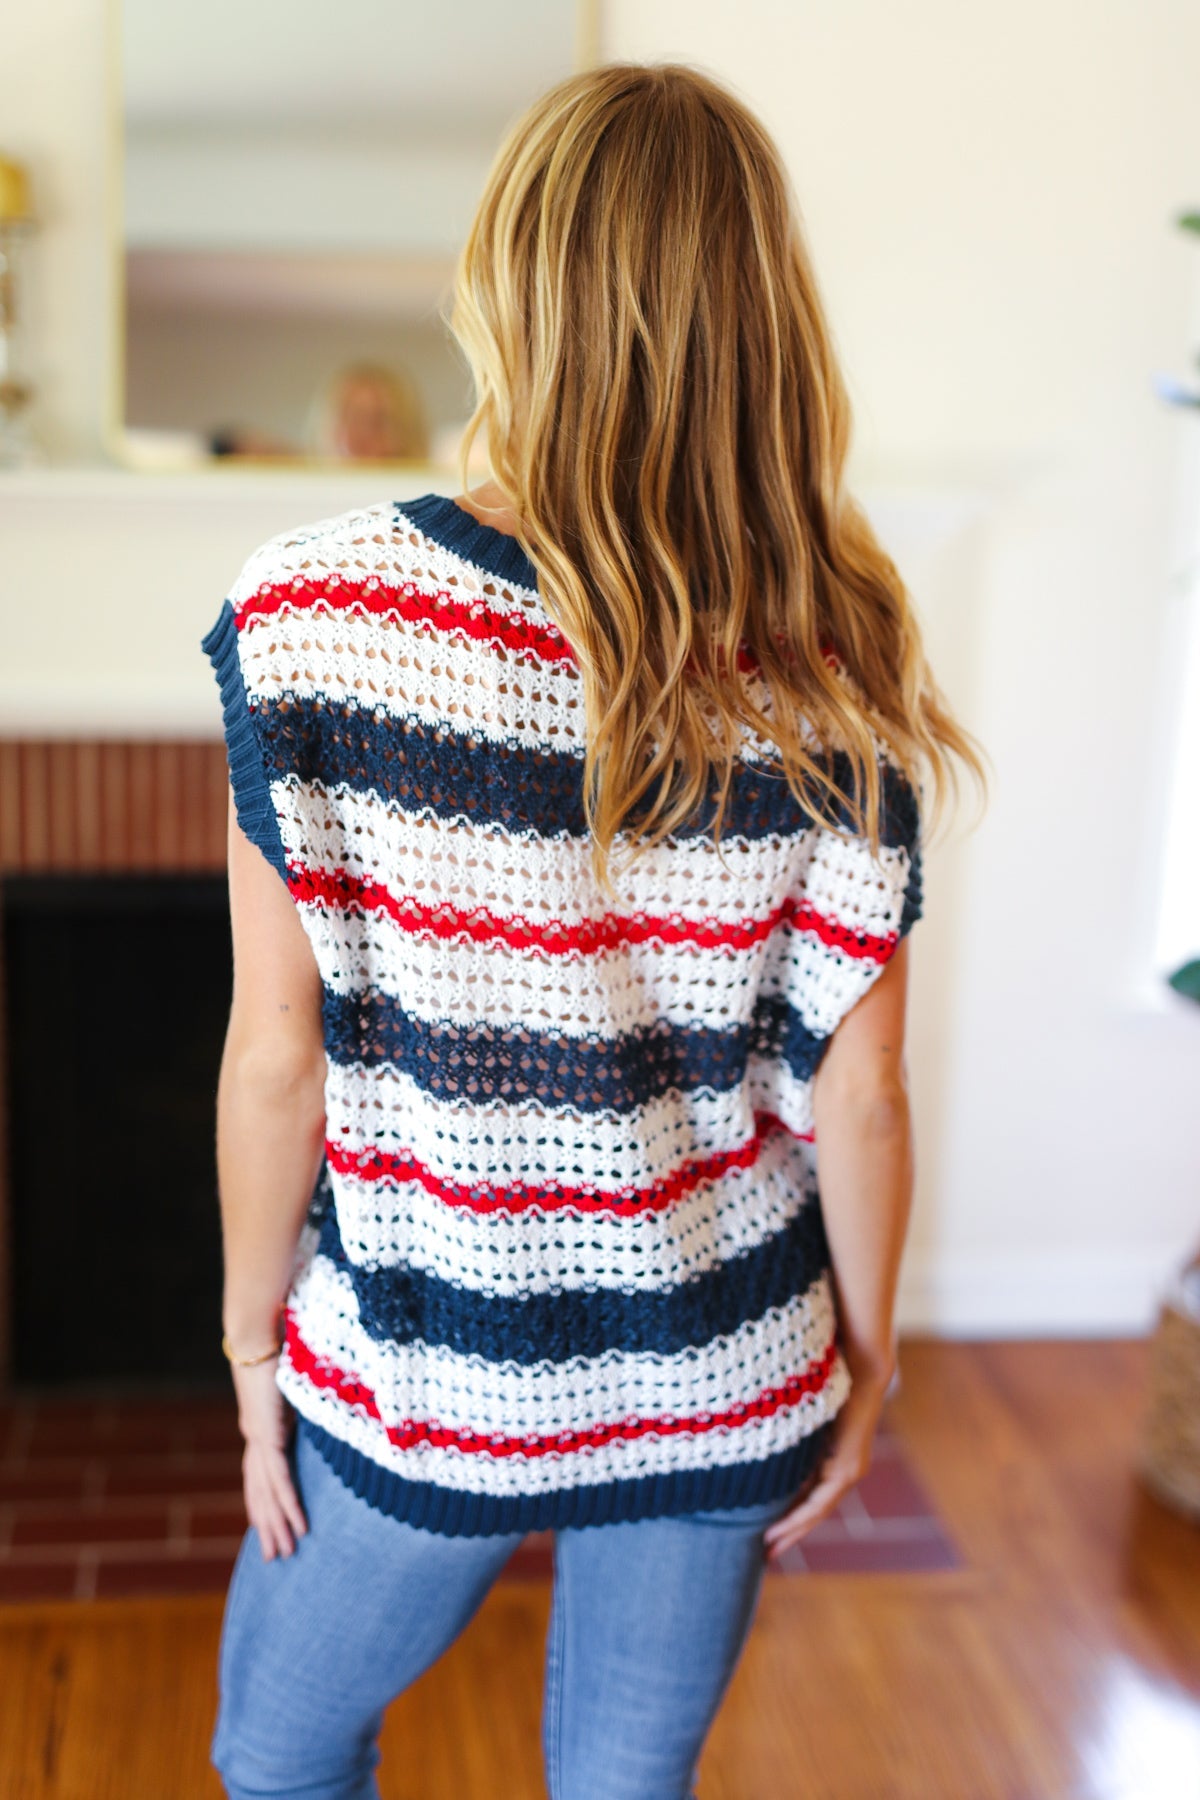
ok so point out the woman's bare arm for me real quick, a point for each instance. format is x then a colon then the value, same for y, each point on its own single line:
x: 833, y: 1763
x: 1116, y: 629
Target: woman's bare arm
x: 865, y: 1160
x: 270, y: 1137
x: 864, y: 1134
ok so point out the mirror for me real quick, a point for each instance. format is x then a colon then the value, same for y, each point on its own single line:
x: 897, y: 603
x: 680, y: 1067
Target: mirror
x: 298, y: 179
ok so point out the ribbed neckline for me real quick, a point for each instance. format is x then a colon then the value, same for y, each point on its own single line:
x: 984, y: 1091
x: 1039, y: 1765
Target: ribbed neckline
x: 450, y: 525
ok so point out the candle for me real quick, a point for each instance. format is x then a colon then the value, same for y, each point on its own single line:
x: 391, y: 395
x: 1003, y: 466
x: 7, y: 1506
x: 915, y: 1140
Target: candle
x: 14, y: 192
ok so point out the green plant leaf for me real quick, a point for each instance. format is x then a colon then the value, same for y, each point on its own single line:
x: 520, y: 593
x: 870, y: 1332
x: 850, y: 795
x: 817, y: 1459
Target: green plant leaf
x: 1188, y: 221
x: 1186, y: 979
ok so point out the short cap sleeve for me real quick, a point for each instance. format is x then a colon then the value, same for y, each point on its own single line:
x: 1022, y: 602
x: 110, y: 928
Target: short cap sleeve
x: 848, y: 913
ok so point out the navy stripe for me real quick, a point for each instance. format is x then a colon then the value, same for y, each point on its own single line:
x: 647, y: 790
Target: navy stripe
x: 251, y: 793
x: 484, y: 1063
x: 455, y: 1514
x: 435, y: 769
x: 454, y: 775
x: 404, y: 1305
x: 781, y: 1035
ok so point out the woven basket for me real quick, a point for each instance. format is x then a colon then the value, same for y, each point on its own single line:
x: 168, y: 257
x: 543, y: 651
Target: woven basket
x: 1170, y: 1457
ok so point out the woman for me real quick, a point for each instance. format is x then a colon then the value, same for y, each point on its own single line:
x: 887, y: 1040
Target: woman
x: 594, y: 795
x: 370, y: 413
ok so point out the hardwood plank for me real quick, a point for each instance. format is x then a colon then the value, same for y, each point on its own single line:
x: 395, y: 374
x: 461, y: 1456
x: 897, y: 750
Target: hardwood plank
x: 108, y: 1701
x: 492, y: 1676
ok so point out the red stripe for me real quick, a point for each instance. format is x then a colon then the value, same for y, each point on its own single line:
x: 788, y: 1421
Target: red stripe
x: 588, y: 937
x: 399, y: 1166
x: 440, y: 610
x: 410, y: 1433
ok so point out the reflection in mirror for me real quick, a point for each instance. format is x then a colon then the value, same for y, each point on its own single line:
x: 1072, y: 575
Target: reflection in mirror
x: 298, y: 180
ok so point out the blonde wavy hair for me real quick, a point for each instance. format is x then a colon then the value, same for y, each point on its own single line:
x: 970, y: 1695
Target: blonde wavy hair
x: 664, y: 411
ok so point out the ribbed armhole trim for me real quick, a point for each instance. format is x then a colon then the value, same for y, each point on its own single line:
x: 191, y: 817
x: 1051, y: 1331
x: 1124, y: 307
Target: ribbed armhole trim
x: 914, y: 892
x: 251, y: 792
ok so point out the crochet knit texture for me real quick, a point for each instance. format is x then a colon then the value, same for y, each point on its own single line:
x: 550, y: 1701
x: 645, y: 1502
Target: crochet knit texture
x: 565, y: 1261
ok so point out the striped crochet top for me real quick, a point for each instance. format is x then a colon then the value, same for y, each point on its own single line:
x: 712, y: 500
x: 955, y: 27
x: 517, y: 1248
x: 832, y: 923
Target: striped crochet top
x: 565, y: 1260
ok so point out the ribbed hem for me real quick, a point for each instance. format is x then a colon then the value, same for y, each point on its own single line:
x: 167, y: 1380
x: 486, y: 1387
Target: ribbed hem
x: 251, y: 793
x: 449, y: 525
x: 455, y: 1514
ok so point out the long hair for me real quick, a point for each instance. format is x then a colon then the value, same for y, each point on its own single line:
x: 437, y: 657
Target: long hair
x: 663, y: 408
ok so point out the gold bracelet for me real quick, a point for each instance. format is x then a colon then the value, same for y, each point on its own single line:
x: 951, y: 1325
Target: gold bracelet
x: 248, y: 1362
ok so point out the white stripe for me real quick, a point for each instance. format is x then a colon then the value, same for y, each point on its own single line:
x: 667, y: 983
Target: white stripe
x: 535, y: 1252
x: 770, y: 1086
x: 506, y: 1142
x: 375, y: 543
x: 605, y: 993
x: 421, y: 1381
x: 422, y: 670
x: 412, y: 671
x: 546, y: 880
x: 435, y: 1382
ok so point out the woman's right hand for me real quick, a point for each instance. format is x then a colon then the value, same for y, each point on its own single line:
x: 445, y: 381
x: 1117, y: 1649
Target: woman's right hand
x: 266, y: 1423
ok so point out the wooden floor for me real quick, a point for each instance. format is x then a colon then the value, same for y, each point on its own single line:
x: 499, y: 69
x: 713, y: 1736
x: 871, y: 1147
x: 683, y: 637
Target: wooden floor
x: 1061, y: 1663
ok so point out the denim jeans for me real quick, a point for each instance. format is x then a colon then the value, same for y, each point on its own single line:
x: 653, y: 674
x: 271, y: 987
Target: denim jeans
x: 648, y: 1620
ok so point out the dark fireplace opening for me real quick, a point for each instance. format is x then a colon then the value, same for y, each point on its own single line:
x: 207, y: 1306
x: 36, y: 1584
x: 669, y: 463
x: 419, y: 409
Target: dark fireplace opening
x: 116, y: 997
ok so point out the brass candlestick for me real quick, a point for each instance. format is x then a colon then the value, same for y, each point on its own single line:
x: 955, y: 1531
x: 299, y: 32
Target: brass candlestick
x: 16, y: 392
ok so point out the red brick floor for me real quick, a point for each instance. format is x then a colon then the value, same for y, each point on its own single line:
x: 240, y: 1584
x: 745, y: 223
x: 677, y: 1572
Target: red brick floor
x: 116, y: 1495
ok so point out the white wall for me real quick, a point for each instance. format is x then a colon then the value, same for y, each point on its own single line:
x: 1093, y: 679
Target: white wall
x: 988, y: 198
x: 988, y: 194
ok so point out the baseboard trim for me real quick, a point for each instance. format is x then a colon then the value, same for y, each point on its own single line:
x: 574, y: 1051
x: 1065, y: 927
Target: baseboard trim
x: 1050, y: 1293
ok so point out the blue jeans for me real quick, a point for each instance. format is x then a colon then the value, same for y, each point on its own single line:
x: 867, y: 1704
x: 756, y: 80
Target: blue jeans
x: 647, y: 1623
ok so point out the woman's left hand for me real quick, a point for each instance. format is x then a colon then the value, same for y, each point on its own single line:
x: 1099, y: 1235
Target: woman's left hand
x: 845, y: 1463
